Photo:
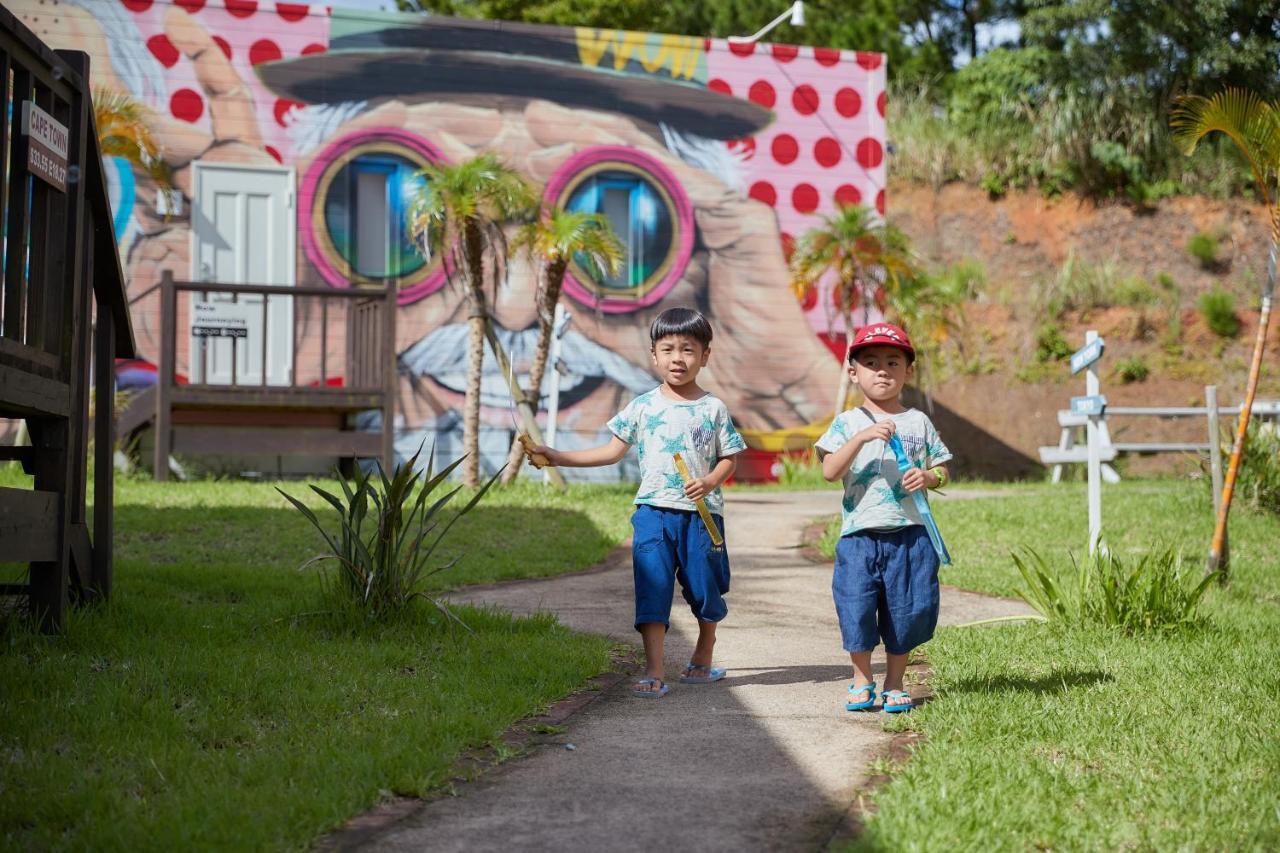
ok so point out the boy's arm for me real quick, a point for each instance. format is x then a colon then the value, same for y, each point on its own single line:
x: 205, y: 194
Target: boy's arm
x: 700, y: 487
x: 835, y: 464
x: 605, y: 454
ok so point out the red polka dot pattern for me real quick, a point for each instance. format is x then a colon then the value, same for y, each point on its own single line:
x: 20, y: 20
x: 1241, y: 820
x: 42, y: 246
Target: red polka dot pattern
x: 291, y: 11
x: 281, y: 109
x: 275, y: 155
x: 785, y: 149
x: 785, y: 52
x: 764, y: 191
x: 313, y: 48
x: 163, y: 50
x: 223, y: 46
x: 264, y: 50
x: 880, y: 202
x: 880, y: 104
x: 826, y: 55
x: 762, y: 93
x: 869, y: 61
x: 718, y: 85
x: 805, y: 99
x: 136, y: 5
x: 804, y: 198
x: 742, y: 48
x: 189, y: 6
x: 846, y: 195
x: 788, y: 246
x: 241, y: 8
x: 848, y: 102
x: 187, y: 105
x: 827, y: 152
x: 744, y: 148
x: 870, y: 152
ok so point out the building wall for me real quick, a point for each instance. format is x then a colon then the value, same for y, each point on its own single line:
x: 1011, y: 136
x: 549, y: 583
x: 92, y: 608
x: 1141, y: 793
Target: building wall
x: 661, y: 126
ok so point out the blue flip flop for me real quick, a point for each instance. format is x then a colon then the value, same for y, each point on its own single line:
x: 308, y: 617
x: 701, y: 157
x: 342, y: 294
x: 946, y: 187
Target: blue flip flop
x: 714, y: 673
x: 899, y: 708
x: 861, y: 704
x: 650, y: 694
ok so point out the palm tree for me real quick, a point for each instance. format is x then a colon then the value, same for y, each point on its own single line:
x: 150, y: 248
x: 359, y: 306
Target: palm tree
x: 123, y: 132
x: 1254, y: 126
x: 554, y: 239
x: 864, y: 252
x: 459, y: 212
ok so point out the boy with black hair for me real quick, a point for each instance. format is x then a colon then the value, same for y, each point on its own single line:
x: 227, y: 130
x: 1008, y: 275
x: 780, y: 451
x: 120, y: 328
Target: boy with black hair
x: 886, y: 574
x: 671, y: 542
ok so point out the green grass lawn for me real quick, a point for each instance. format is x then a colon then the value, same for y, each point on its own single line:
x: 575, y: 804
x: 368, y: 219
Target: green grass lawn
x: 1041, y: 737
x: 197, y: 711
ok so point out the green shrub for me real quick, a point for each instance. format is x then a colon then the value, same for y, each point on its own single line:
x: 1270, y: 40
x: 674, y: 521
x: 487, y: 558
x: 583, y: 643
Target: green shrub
x: 1259, y: 480
x: 1166, y: 282
x: 1158, y: 593
x: 1050, y: 344
x: 1203, y: 246
x: 1132, y: 369
x: 1134, y: 292
x: 380, y: 544
x: 802, y: 470
x: 1079, y: 285
x: 1218, y: 308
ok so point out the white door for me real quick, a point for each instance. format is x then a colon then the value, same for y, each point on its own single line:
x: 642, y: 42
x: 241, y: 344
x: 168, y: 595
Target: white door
x: 242, y: 226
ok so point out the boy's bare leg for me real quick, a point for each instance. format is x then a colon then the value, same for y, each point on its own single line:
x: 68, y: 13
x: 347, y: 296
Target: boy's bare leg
x: 861, y: 668
x: 701, y: 657
x: 895, y: 668
x: 654, y: 635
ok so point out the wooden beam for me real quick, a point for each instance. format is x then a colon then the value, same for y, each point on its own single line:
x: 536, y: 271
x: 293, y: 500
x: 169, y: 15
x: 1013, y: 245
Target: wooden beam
x: 228, y: 396
x: 277, y: 442
x: 25, y: 395
x: 164, y: 378
x: 28, y: 525
x: 245, y: 417
x: 24, y: 455
x: 104, y: 447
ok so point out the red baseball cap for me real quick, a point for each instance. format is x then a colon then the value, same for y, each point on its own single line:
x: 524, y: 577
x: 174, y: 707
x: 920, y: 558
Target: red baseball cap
x: 882, y: 335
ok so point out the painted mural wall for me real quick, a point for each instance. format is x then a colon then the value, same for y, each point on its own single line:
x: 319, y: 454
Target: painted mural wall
x: 710, y: 158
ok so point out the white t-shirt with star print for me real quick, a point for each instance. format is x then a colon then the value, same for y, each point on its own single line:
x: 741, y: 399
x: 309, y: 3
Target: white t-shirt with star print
x: 700, y: 430
x: 873, y: 495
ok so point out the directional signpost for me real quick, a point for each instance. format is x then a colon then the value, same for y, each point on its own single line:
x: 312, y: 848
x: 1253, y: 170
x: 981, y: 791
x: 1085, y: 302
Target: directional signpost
x: 1093, y: 405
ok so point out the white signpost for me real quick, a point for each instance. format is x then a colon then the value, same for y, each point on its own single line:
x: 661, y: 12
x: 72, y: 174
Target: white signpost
x: 1093, y: 405
x: 217, y: 319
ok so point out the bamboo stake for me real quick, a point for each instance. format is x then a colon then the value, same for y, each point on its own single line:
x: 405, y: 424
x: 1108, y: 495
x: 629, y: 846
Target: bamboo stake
x: 716, y: 538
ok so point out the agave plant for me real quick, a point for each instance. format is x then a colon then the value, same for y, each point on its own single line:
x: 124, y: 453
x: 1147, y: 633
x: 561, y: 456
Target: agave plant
x: 380, y: 544
x: 1156, y: 593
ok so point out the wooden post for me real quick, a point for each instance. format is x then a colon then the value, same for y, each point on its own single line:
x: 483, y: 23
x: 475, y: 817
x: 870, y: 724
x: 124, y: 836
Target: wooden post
x: 1095, y: 457
x: 164, y: 377
x: 104, y: 446
x: 522, y: 405
x: 390, y: 380
x: 1215, y: 460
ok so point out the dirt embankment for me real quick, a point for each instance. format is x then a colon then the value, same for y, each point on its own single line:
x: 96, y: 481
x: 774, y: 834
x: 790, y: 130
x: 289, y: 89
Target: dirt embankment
x: 1000, y: 400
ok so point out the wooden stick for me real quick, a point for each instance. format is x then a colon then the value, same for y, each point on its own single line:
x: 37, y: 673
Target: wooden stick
x: 716, y: 538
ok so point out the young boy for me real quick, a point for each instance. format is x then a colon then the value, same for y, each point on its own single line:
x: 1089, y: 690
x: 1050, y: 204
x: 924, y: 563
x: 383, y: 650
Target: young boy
x: 886, y: 574
x: 671, y: 542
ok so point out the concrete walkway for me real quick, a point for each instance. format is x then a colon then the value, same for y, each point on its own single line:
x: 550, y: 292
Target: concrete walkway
x: 766, y: 759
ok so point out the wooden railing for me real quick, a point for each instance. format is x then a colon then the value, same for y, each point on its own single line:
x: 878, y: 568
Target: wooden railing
x: 58, y: 256
x: 284, y: 349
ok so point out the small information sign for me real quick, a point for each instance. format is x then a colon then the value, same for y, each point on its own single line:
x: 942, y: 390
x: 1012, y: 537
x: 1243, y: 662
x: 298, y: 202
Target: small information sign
x: 46, y: 146
x: 223, y: 319
x: 1086, y: 355
x: 1092, y: 405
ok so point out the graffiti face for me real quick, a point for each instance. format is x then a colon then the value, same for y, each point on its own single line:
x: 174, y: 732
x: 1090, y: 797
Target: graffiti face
x: 700, y: 226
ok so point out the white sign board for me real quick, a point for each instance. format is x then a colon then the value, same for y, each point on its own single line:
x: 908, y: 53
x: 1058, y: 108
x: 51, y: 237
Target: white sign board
x: 46, y: 146
x: 1087, y: 355
x: 1094, y: 404
x: 224, y: 319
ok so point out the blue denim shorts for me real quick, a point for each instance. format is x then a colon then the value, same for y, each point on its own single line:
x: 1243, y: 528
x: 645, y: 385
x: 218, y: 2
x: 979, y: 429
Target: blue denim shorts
x: 886, y: 587
x: 670, y: 545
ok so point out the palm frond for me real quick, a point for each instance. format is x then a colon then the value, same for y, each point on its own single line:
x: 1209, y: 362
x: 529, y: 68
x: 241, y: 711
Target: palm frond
x: 1245, y: 118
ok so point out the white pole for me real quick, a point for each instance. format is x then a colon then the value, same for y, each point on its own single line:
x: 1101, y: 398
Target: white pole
x: 1215, y: 452
x: 559, y: 325
x: 1095, y: 454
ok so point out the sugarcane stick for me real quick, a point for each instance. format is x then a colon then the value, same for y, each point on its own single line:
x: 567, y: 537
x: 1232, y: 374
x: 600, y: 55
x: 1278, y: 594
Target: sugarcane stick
x: 537, y: 460
x: 710, y: 522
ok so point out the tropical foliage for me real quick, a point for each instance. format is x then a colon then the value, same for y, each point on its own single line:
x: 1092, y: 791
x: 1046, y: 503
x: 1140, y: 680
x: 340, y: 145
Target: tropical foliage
x: 123, y: 132
x: 459, y: 212
x: 555, y: 238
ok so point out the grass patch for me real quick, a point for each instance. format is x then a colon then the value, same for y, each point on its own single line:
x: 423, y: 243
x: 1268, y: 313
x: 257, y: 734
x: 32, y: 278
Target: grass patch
x: 198, y: 710
x: 1089, y: 738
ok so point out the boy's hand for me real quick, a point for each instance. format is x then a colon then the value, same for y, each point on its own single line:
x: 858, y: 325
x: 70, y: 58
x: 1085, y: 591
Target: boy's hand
x: 917, y: 479
x: 881, y: 430
x: 539, y: 455
x: 698, y: 487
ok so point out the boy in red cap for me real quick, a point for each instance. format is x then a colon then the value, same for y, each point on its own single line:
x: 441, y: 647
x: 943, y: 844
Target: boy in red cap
x: 886, y: 574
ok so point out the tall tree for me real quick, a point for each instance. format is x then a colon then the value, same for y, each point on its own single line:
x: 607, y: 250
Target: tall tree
x: 1253, y: 125
x: 459, y: 213
x: 870, y: 258
x: 553, y: 240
